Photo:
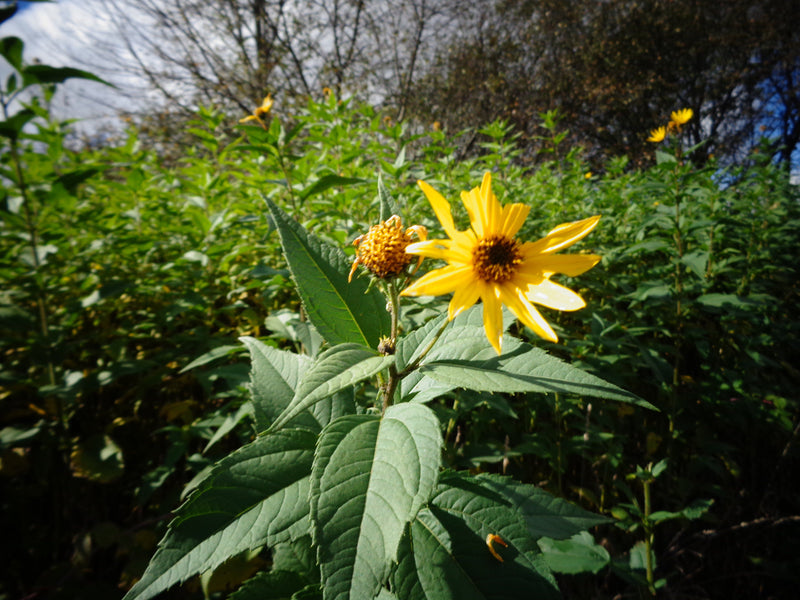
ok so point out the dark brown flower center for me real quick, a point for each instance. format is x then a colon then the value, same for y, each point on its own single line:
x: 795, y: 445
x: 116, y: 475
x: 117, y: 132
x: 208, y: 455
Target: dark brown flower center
x: 496, y: 258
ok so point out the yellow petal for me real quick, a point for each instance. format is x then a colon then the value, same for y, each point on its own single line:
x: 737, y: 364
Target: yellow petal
x: 493, y: 318
x: 430, y: 248
x: 513, y: 217
x: 440, y: 281
x: 658, y: 135
x: 464, y: 297
x: 493, y: 210
x: 682, y: 116
x: 556, y: 296
x: 562, y: 236
x: 475, y: 210
x: 526, y: 312
x: 248, y: 118
x: 545, y: 265
x: 440, y: 206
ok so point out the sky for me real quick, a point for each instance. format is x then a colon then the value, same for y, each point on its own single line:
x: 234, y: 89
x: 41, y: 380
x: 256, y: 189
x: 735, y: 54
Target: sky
x: 77, y: 33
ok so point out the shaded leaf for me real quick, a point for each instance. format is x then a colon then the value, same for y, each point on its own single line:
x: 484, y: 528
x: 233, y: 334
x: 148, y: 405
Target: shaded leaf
x: 445, y: 556
x: 45, y: 74
x: 256, y: 496
x: 579, y: 554
x: 336, y: 369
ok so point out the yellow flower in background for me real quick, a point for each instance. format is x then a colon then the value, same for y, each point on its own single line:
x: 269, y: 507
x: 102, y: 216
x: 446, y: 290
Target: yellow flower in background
x: 488, y: 263
x: 657, y: 135
x: 260, y: 112
x: 681, y: 117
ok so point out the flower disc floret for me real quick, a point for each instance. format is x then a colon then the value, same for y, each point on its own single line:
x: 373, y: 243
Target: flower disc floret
x: 488, y: 263
x: 496, y: 258
x: 382, y: 249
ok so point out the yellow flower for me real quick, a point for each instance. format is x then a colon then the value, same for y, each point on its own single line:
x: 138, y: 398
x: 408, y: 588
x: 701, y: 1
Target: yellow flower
x: 259, y: 112
x: 657, y: 135
x: 383, y: 248
x: 487, y: 262
x: 681, y: 117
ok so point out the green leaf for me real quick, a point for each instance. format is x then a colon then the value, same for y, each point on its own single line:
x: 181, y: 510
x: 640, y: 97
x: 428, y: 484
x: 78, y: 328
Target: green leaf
x: 97, y: 458
x: 211, y: 356
x: 444, y: 554
x: 11, y: 49
x: 326, y: 182
x: 256, y: 496
x: 274, y: 375
x: 388, y: 206
x: 12, y: 127
x: 7, y: 11
x: 341, y: 311
x: 276, y: 585
x: 545, y: 514
x: 336, y: 369
x: 471, y: 362
x: 370, y: 477
x: 45, y: 74
x: 720, y: 300
x: 665, y: 158
x: 579, y: 554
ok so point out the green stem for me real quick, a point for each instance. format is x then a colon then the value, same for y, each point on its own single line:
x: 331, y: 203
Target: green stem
x: 33, y: 235
x: 394, y: 310
x: 679, y: 246
x: 648, y: 540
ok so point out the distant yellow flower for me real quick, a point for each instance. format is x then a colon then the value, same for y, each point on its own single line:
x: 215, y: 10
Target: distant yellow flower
x: 383, y: 248
x: 681, y: 117
x: 487, y: 262
x: 588, y: 175
x: 260, y: 112
x: 657, y: 135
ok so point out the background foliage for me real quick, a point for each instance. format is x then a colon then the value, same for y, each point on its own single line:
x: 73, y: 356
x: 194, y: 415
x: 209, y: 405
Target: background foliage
x: 127, y: 283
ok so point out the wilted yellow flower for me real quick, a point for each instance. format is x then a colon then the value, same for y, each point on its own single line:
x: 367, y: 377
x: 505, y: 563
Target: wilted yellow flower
x: 681, y: 117
x: 383, y: 248
x: 260, y: 112
x: 487, y: 262
x: 657, y: 135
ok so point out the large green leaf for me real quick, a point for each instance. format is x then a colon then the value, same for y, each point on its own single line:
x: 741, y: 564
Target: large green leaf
x: 335, y: 370
x: 466, y: 359
x: 274, y: 375
x: 11, y: 49
x: 370, y: 477
x: 256, y: 496
x: 544, y: 514
x: 45, y: 74
x: 326, y: 182
x: 579, y: 554
x: 341, y: 311
x: 444, y: 554
x: 388, y: 206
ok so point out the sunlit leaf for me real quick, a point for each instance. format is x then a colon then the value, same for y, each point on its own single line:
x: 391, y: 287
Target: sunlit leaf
x: 371, y: 475
x: 341, y: 311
